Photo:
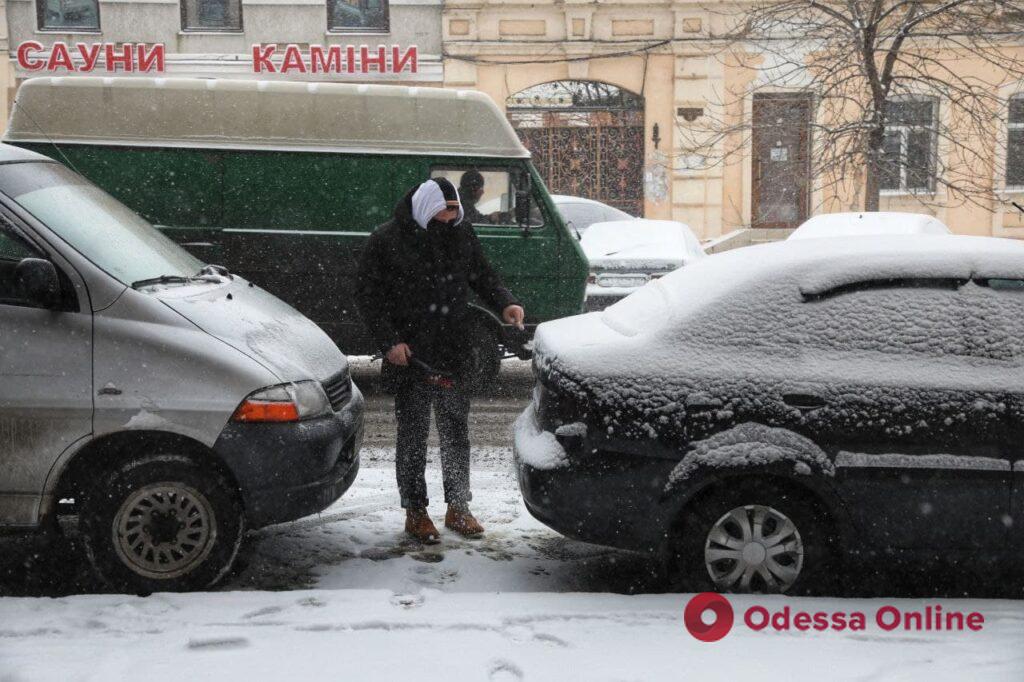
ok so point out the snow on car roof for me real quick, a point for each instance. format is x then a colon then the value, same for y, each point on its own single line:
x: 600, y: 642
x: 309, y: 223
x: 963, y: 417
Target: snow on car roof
x: 818, y: 267
x: 640, y: 240
x: 728, y: 298
x: 869, y: 223
x: 244, y: 114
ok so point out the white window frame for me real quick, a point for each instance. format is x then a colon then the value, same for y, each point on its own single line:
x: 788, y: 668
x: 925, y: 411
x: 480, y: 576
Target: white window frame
x: 1010, y: 127
x: 904, y: 131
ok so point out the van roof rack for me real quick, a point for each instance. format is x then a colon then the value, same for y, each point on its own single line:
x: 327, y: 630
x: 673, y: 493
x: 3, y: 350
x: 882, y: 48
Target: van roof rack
x: 248, y: 114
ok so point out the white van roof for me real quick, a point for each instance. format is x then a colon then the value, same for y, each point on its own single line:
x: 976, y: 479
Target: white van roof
x: 245, y: 114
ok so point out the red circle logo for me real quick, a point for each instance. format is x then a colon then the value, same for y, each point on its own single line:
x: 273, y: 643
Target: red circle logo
x: 718, y: 605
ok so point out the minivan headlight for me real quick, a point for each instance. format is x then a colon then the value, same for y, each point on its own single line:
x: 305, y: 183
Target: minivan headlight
x: 284, y: 403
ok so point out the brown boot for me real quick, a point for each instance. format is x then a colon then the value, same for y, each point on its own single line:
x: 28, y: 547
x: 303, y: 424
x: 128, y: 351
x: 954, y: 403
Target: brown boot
x: 460, y: 520
x: 419, y: 525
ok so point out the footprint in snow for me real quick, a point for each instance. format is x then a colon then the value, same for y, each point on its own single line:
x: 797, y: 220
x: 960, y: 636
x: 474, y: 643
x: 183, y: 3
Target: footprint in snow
x: 311, y: 602
x: 407, y: 601
x: 502, y: 670
x: 265, y: 611
x: 380, y: 553
x: 215, y: 643
x: 428, y: 557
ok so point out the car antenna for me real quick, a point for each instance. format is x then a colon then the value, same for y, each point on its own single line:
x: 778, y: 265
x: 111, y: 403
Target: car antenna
x: 48, y: 138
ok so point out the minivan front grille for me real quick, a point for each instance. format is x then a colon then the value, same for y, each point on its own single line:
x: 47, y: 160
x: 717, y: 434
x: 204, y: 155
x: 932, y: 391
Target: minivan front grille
x: 338, y: 389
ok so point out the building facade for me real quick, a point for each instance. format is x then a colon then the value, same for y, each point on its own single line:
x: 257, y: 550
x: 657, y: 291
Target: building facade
x: 605, y: 94
x: 219, y: 39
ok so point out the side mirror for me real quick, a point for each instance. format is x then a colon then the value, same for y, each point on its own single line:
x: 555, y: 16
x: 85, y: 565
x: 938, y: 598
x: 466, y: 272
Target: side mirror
x: 36, y: 282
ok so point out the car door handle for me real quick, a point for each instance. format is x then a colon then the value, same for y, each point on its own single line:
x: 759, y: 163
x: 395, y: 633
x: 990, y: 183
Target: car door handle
x: 804, y: 401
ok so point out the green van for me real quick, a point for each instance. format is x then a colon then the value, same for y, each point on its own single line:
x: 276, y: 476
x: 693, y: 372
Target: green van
x: 282, y: 182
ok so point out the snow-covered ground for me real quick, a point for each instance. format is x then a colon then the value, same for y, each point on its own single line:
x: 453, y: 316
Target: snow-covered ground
x: 346, y: 596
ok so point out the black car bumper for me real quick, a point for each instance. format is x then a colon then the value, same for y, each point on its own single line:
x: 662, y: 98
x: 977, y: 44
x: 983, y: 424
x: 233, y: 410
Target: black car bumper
x: 288, y: 471
x: 605, y: 498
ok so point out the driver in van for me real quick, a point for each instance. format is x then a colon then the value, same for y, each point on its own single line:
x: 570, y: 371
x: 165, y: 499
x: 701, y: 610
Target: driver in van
x: 471, y: 190
x: 413, y: 290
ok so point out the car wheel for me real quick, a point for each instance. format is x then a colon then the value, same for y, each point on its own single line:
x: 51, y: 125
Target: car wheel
x: 485, y: 357
x: 161, y: 523
x: 752, y: 537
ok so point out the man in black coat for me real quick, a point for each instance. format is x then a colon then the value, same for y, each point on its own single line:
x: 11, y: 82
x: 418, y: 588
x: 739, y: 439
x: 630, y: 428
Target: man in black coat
x: 413, y: 291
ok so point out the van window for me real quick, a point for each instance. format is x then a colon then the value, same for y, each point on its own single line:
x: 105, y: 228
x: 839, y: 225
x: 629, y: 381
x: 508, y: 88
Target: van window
x: 488, y: 195
x: 12, y: 250
x: 12, y: 247
x: 95, y: 224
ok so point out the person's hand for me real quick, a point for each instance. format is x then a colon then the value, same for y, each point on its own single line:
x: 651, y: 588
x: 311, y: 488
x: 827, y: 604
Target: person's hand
x: 399, y: 354
x: 514, y: 314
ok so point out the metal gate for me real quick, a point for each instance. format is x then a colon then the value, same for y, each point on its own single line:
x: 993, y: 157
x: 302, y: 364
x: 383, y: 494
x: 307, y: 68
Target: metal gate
x: 587, y: 140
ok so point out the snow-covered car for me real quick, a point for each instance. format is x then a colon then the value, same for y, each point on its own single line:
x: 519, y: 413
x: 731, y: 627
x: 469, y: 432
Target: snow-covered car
x: 579, y: 213
x: 756, y: 415
x: 868, y: 224
x: 624, y: 255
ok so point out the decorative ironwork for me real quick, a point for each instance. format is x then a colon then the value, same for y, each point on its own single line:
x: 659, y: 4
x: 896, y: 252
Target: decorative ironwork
x: 587, y: 139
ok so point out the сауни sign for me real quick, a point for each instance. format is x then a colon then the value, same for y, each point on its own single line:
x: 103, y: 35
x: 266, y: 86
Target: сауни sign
x: 63, y: 57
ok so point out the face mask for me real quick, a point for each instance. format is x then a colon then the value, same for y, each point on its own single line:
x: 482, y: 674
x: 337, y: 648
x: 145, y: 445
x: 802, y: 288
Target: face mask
x: 436, y: 224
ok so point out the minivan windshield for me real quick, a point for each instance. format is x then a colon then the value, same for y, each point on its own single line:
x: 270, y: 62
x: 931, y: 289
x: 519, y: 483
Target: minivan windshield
x: 95, y: 224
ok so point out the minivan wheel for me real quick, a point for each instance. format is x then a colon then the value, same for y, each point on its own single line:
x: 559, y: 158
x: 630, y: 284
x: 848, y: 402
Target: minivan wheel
x: 752, y: 538
x: 485, y: 357
x: 161, y: 524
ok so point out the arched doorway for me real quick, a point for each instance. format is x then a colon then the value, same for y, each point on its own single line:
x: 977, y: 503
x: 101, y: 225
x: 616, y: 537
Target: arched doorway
x: 587, y: 139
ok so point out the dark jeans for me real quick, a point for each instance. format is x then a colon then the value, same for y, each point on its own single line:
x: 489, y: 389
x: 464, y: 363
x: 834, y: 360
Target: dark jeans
x: 413, y: 401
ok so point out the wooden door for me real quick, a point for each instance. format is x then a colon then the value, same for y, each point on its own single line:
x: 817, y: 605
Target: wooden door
x: 780, y: 184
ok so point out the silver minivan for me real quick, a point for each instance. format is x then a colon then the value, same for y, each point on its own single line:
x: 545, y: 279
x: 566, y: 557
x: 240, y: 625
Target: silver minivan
x: 166, y: 403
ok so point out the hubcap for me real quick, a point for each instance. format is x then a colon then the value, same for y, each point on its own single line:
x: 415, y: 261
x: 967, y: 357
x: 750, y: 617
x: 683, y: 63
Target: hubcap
x: 164, y: 530
x: 754, y: 548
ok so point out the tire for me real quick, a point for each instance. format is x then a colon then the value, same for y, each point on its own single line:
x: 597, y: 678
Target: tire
x: 135, y: 536
x: 708, y: 552
x: 485, y: 357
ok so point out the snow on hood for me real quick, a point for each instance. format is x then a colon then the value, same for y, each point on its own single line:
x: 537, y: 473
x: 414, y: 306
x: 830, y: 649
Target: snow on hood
x: 640, y: 243
x: 869, y: 223
x: 259, y: 325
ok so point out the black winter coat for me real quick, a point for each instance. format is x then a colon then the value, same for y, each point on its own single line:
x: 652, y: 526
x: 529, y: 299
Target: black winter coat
x: 414, y: 287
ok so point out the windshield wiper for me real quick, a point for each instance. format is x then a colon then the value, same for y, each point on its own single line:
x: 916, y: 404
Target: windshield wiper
x: 162, y: 279
x: 208, y: 273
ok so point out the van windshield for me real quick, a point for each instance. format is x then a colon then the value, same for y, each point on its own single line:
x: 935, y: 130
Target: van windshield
x: 95, y: 224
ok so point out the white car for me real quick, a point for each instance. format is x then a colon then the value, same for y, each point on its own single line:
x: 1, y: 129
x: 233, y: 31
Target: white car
x: 625, y: 255
x: 579, y: 213
x: 869, y: 223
